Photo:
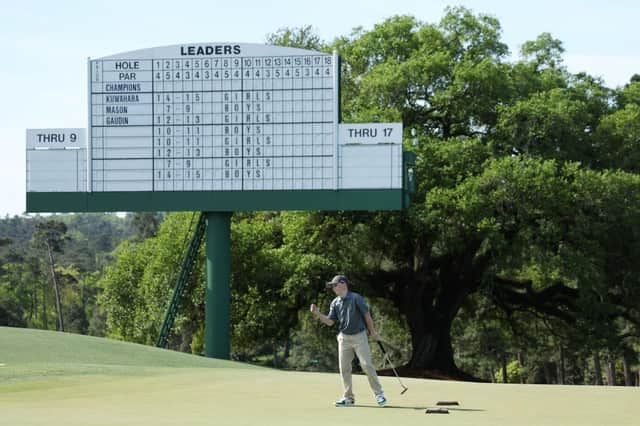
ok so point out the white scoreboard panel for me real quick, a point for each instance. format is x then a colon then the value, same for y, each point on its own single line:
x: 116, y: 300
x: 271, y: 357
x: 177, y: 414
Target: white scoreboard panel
x: 213, y: 117
x: 370, y: 155
x: 56, y: 160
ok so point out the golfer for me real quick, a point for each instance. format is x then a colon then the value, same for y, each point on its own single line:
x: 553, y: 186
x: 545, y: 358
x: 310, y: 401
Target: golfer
x: 352, y: 314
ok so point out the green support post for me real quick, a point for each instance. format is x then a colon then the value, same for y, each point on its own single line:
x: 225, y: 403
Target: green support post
x: 218, y: 294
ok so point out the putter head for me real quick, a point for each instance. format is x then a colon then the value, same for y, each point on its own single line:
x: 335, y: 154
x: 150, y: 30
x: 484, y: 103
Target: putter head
x: 404, y: 389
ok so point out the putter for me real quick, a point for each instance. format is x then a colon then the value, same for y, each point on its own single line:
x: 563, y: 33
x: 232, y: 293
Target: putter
x: 384, y: 352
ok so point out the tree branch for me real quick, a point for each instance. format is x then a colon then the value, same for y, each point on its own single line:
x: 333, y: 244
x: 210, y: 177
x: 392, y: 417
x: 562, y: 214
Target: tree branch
x: 556, y: 300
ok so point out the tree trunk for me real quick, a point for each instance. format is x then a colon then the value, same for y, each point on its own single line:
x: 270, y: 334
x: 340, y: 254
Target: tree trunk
x: 275, y: 355
x: 431, y: 303
x: 45, y: 317
x: 505, y: 377
x: 490, y: 374
x: 561, y: 369
x: 430, y: 294
x: 287, y: 349
x: 597, y: 368
x: 627, y: 358
x: 430, y: 327
x: 56, y: 288
x: 611, y: 372
x: 521, y: 367
x: 432, y: 349
x: 547, y: 372
x: 33, y: 311
x: 430, y: 331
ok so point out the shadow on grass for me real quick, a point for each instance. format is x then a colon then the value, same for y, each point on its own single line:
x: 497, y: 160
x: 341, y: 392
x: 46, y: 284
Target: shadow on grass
x: 460, y: 409
x: 404, y: 407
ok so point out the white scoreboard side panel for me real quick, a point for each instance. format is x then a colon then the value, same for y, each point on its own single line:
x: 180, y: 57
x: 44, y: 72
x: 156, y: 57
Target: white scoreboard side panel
x: 370, y: 156
x: 56, y: 160
x: 56, y: 170
x: 370, y: 166
x: 213, y: 117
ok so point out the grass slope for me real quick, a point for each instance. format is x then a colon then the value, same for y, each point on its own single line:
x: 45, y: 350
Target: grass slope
x: 39, y: 346
x: 29, y: 354
x: 53, y: 379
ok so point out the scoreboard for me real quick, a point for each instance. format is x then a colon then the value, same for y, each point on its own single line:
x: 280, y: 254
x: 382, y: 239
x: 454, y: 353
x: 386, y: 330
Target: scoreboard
x: 176, y: 119
x: 216, y: 127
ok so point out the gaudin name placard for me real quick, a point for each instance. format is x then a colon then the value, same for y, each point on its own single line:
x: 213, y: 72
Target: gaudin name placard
x: 213, y: 118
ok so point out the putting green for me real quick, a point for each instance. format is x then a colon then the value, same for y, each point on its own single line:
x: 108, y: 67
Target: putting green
x: 124, y: 384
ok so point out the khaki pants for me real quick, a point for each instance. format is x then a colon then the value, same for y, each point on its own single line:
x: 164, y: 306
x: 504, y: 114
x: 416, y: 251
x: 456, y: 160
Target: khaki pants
x: 356, y: 344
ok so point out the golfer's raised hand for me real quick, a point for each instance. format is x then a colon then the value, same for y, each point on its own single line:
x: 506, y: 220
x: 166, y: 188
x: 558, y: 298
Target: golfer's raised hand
x: 314, y: 309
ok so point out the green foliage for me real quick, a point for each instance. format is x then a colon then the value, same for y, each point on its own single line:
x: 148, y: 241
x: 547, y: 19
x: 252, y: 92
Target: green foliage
x: 51, y: 234
x: 618, y: 134
x: 549, y: 124
x: 630, y: 93
x: 314, y: 346
x: 260, y: 310
x: 392, y: 327
x: 145, y: 224
x: 543, y: 52
x: 137, y: 286
x: 514, y: 372
x: 302, y: 37
x: 11, y: 312
x: 25, y: 273
x: 547, y: 227
x: 445, y: 79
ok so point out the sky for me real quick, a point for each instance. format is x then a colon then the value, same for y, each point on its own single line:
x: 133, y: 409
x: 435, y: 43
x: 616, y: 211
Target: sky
x: 45, y: 46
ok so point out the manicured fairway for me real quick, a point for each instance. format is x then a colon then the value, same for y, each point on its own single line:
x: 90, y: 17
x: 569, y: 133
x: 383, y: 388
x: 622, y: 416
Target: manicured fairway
x: 56, y: 379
